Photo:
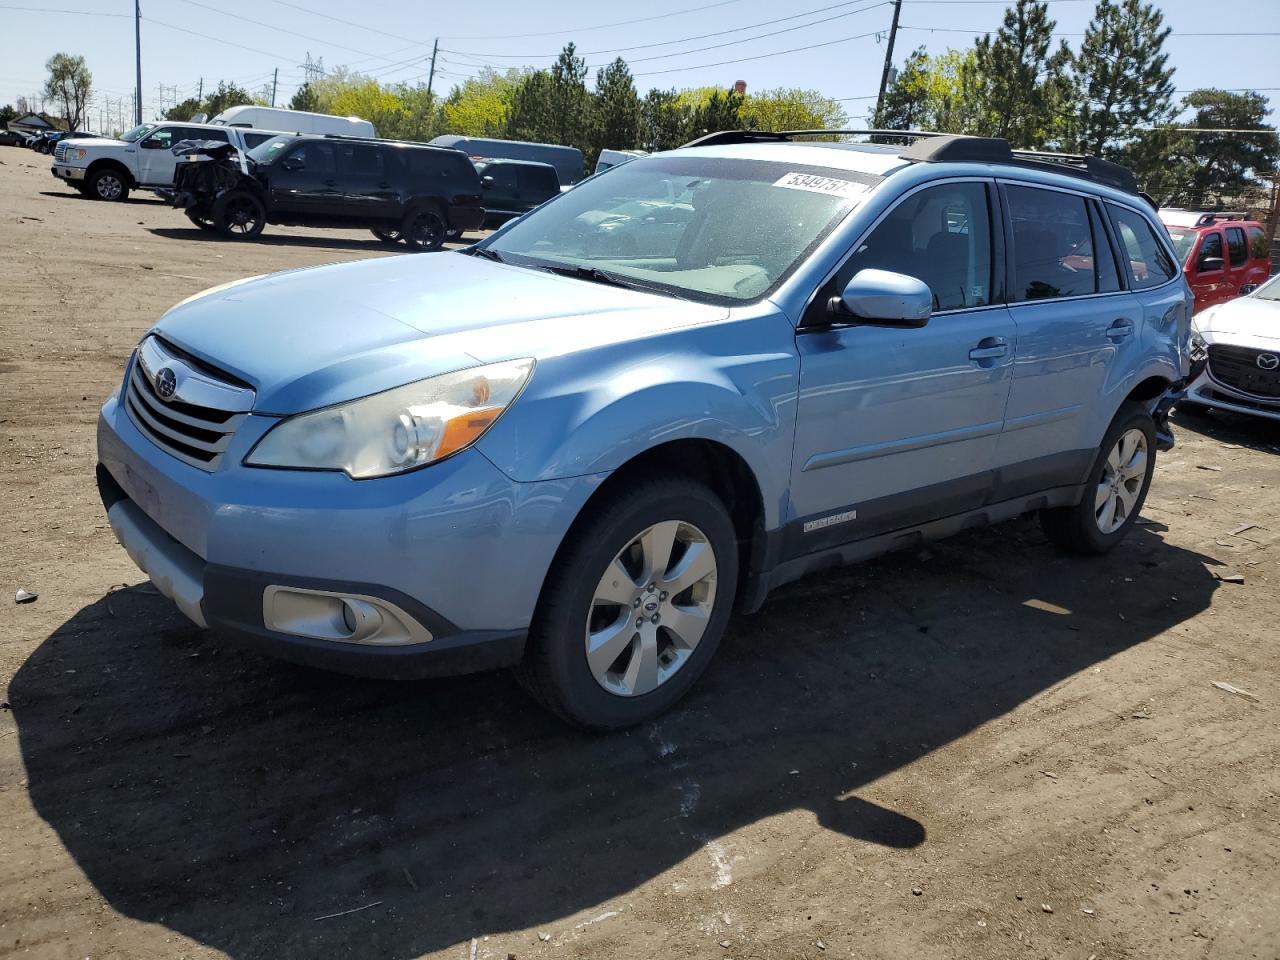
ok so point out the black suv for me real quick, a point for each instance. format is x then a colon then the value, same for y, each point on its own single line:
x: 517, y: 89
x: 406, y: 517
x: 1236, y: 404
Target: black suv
x: 514, y: 187
x: 401, y: 191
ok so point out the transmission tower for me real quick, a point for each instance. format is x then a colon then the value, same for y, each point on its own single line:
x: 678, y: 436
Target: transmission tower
x: 312, y: 70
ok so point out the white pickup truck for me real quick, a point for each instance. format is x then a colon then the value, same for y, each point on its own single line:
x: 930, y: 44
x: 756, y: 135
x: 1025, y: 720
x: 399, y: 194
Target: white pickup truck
x: 142, y: 159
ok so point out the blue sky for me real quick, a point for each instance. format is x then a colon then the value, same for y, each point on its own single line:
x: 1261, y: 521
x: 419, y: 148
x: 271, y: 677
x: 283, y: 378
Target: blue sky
x: 837, y: 48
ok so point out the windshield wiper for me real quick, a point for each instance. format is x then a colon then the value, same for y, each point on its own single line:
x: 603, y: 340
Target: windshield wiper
x: 484, y: 252
x: 592, y: 274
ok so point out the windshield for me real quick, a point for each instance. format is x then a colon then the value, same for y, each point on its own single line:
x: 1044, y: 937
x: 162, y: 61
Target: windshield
x: 268, y: 150
x: 138, y: 132
x: 711, y: 229
x: 1183, y: 242
x: 1269, y: 290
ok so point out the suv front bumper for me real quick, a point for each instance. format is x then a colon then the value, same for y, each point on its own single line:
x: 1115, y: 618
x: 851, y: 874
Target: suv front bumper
x: 64, y: 172
x: 1208, y: 392
x: 449, y: 559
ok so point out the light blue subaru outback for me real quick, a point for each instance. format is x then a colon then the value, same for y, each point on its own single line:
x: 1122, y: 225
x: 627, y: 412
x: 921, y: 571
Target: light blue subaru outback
x: 577, y: 446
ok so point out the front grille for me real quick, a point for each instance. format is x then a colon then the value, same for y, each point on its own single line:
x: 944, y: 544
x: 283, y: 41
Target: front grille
x: 60, y: 152
x: 1237, y: 367
x: 197, y: 433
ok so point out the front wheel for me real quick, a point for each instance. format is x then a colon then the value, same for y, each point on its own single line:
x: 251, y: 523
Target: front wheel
x: 635, y: 606
x: 108, y: 185
x: 239, y: 215
x: 201, y: 218
x: 1116, y: 489
x: 424, y: 229
x: 386, y: 236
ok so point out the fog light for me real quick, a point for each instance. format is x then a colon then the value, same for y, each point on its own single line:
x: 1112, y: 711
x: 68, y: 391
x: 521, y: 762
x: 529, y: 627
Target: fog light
x: 343, y: 618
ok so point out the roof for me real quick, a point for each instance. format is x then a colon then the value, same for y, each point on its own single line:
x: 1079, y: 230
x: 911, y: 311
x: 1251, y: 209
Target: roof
x: 869, y: 158
x: 486, y: 161
x: 1173, y: 217
x: 33, y: 121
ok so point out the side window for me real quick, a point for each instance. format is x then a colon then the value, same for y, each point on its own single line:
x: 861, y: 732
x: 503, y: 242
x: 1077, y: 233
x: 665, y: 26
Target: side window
x: 1052, y: 245
x: 1258, y: 244
x: 503, y: 178
x: 252, y: 140
x: 197, y: 134
x: 165, y: 137
x: 317, y: 159
x: 1210, y: 250
x: 361, y: 160
x: 1108, y: 273
x: 539, y: 181
x: 941, y: 235
x: 1237, y: 247
x: 1148, y: 262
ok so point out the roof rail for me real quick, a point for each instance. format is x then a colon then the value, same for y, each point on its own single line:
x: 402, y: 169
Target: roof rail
x: 726, y: 137
x: 958, y: 148
x: 1207, y: 218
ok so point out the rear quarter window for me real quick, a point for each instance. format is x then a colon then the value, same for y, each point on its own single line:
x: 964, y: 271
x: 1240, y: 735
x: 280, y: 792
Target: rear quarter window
x: 1145, y: 258
x: 1258, y: 244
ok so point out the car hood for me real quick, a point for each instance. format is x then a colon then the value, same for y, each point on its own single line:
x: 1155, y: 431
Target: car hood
x: 93, y: 142
x: 1246, y: 321
x: 309, y: 338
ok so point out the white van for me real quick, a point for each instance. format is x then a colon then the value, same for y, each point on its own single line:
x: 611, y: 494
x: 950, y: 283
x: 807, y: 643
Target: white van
x: 294, y: 121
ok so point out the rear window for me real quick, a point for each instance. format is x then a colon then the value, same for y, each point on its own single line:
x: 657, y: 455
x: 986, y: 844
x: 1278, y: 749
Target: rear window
x: 1258, y: 244
x: 540, y: 181
x: 1147, y: 261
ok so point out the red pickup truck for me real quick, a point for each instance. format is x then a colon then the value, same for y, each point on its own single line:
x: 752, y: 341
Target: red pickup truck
x: 1223, y: 254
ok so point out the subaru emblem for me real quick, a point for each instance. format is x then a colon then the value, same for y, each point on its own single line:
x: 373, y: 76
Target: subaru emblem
x: 166, y: 383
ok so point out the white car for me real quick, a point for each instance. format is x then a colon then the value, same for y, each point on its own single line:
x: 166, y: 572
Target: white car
x: 1235, y: 352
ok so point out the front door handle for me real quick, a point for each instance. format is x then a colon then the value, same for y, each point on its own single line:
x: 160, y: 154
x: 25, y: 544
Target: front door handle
x: 989, y: 348
x: 1120, y: 330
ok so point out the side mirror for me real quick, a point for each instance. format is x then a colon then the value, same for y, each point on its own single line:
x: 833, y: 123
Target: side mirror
x: 486, y: 182
x: 884, y: 299
x: 1207, y: 264
x: 292, y: 163
x: 153, y: 144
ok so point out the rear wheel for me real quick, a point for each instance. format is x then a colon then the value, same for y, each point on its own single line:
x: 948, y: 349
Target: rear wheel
x: 239, y: 215
x: 424, y: 229
x: 201, y: 218
x: 1116, y: 489
x: 635, y: 606
x: 108, y: 184
x: 386, y: 236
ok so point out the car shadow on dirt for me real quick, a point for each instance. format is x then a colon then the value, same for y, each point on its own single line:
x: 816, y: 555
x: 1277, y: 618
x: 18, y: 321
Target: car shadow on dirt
x: 295, y: 240
x: 1227, y: 426
x: 77, y: 195
x: 236, y: 799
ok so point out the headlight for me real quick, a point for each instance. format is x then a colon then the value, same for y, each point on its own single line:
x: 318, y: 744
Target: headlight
x: 1198, y: 349
x: 397, y: 430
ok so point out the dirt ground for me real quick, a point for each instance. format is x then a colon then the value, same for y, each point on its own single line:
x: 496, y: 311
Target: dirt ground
x: 981, y: 749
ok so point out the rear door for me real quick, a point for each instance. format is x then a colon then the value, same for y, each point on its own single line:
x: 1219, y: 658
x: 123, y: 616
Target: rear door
x: 896, y: 427
x: 1237, y: 260
x: 501, y: 188
x: 365, y: 182
x: 1073, y: 320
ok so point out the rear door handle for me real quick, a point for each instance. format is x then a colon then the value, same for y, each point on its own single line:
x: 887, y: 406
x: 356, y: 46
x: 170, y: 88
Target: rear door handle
x: 1119, y: 330
x: 989, y: 348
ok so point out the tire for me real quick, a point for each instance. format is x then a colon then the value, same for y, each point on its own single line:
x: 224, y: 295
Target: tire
x: 386, y: 236
x: 239, y: 215
x: 108, y: 184
x: 201, y: 218
x: 424, y: 228
x: 595, y: 590
x: 452, y: 236
x: 1112, y: 499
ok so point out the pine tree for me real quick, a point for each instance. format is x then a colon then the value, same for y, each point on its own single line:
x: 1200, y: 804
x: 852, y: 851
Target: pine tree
x: 569, y: 104
x: 617, y: 111
x: 1122, y: 74
x: 1016, y: 80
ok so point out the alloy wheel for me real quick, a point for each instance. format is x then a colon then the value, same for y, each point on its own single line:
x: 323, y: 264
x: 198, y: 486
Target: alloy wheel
x: 651, y: 608
x: 242, y: 216
x: 1123, y: 474
x: 426, y: 231
x: 109, y: 186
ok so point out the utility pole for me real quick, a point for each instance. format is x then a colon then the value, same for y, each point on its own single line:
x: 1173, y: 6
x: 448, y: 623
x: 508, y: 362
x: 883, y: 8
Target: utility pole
x: 275, y: 76
x: 888, y: 59
x: 137, y: 47
x: 200, y: 92
x: 431, y: 75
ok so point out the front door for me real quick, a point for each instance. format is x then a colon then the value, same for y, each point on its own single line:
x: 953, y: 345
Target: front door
x: 156, y: 162
x: 899, y: 426
x: 1208, y: 275
x: 304, y: 183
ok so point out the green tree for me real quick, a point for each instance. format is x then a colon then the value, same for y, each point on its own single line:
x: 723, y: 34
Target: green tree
x: 528, y: 118
x: 227, y: 95
x: 304, y: 98
x: 790, y: 109
x: 616, y: 108
x: 663, y: 120
x: 933, y: 93
x: 185, y: 110
x: 1017, y: 81
x: 570, y: 104
x: 1122, y: 74
x: 68, y: 85
x: 1181, y: 168
x: 7, y: 113
x: 480, y: 105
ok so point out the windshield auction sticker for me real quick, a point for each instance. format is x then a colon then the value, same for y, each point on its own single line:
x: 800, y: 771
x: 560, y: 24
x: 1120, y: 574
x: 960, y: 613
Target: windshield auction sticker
x: 828, y: 185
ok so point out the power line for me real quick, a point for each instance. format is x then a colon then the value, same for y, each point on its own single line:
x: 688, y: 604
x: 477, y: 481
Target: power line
x: 294, y: 33
x: 1172, y: 36
x: 350, y: 23
x: 205, y: 36
x: 602, y: 26
x: 80, y: 13
x: 762, y: 56
x: 703, y: 36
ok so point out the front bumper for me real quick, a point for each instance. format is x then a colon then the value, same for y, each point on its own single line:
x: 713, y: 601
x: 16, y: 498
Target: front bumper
x: 455, y: 553
x: 1208, y: 392
x: 64, y: 172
